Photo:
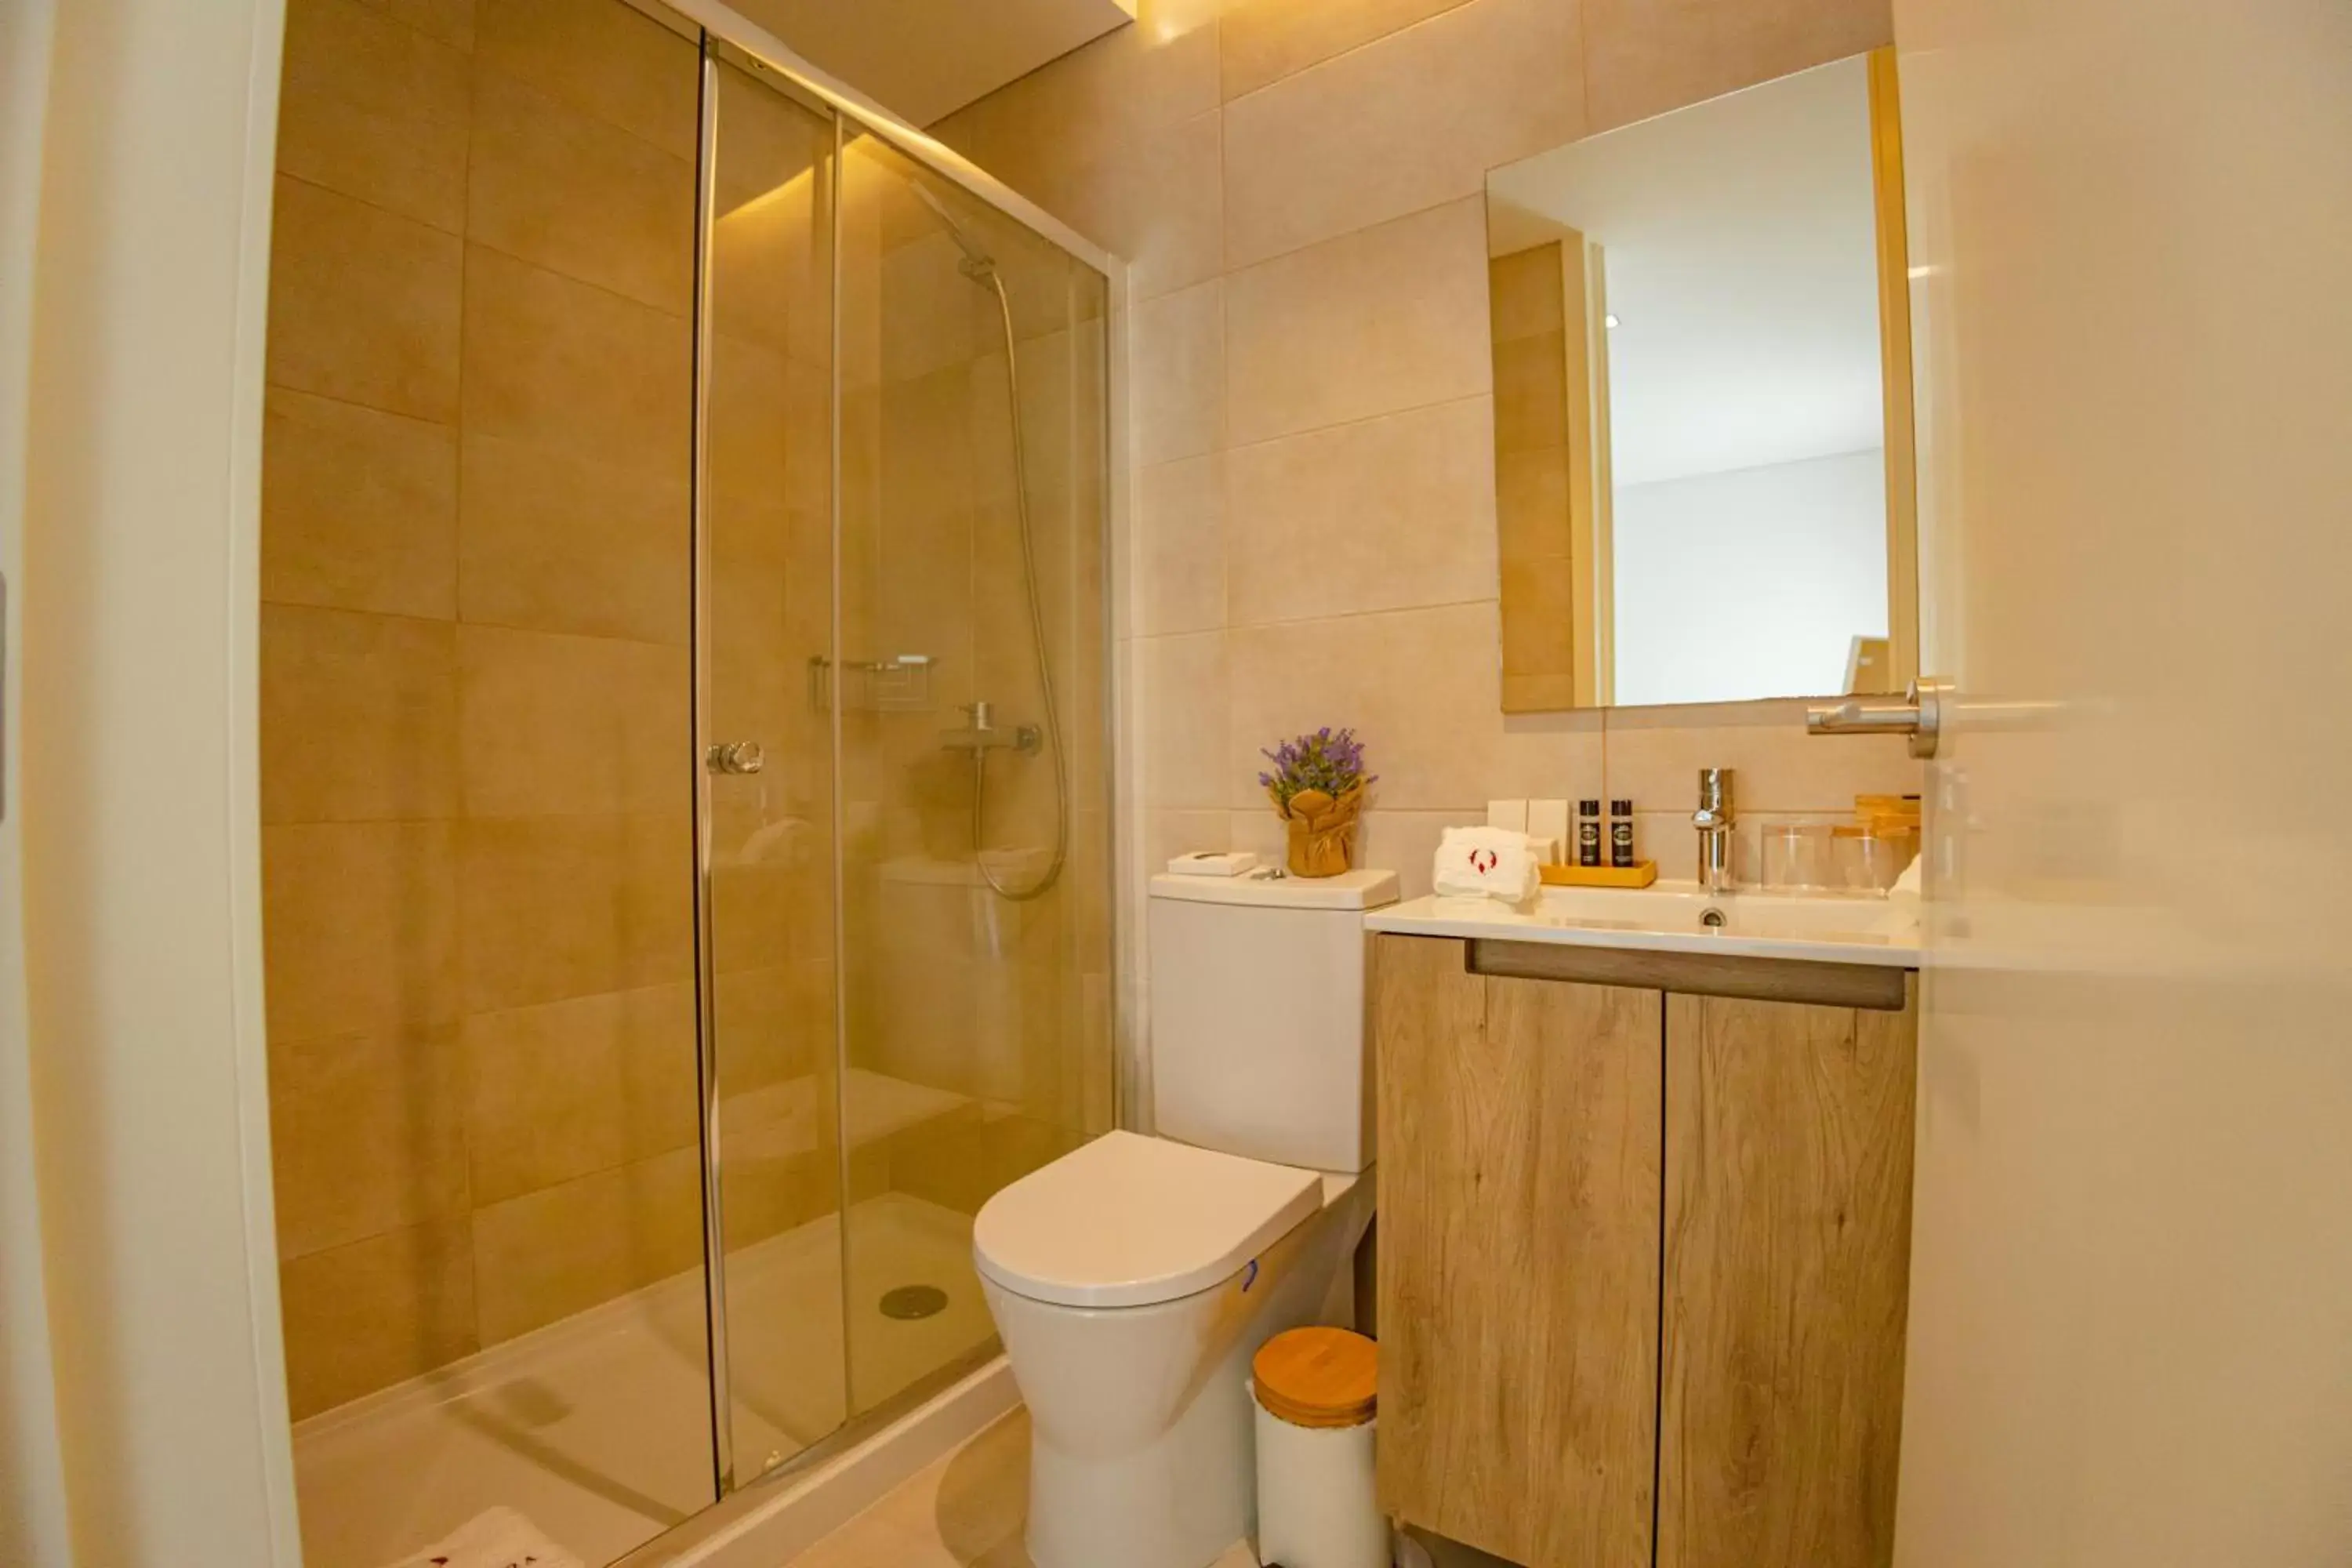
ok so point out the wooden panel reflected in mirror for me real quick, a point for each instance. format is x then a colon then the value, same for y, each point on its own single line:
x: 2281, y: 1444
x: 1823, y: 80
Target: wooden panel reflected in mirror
x: 1703, y: 465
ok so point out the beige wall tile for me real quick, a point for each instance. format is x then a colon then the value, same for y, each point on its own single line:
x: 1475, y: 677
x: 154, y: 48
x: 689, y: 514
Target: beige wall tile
x: 1527, y: 292
x: 1655, y: 755
x: 1263, y: 41
x: 405, y: 162
x: 602, y: 59
x: 558, y: 544
x: 573, y: 726
x: 443, y: 21
x: 1531, y: 392
x: 359, y: 717
x: 1182, y: 685
x: 1383, y: 514
x: 1180, y: 525
x: 358, y: 927
x: 1417, y: 685
x: 1646, y: 56
x: 570, y: 906
x: 363, y: 55
x: 367, y: 1134
x: 577, y: 1086
x: 1547, y: 756
x: 364, y: 305
x: 362, y: 1317
x: 1393, y: 317
x: 1126, y: 83
x: 1168, y: 834
x: 359, y: 509
x: 575, y: 369
x: 1166, y: 210
x: 1177, y: 352
x: 578, y: 195
x: 1403, y: 123
x: 552, y: 1253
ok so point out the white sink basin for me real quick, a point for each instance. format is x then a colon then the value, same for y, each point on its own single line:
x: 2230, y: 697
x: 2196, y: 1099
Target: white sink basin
x: 1673, y: 917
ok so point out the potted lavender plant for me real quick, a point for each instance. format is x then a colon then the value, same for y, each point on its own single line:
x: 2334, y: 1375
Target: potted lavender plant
x: 1316, y: 785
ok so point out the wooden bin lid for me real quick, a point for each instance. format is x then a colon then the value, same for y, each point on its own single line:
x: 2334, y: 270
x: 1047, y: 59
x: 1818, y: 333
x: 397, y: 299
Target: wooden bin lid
x: 1317, y: 1377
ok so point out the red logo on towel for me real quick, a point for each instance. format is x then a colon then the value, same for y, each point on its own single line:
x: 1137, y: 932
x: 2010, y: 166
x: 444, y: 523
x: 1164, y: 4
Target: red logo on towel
x: 1482, y: 861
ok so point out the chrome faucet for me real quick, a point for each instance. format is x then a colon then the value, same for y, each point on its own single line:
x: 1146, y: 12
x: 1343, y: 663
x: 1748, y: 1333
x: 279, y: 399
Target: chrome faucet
x: 1713, y: 820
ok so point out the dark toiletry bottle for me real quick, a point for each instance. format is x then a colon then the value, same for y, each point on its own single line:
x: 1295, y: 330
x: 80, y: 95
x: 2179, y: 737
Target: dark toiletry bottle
x: 1621, y: 832
x: 1587, y: 833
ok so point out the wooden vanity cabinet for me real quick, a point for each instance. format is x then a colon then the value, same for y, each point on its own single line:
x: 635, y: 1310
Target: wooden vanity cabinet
x: 1644, y: 1264
x: 1518, y: 1191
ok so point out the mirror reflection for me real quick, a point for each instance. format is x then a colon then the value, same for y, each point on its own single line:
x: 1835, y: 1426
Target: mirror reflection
x: 1703, y: 436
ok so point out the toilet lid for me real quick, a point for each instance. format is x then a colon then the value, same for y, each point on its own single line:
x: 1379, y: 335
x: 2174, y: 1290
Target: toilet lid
x: 1127, y: 1220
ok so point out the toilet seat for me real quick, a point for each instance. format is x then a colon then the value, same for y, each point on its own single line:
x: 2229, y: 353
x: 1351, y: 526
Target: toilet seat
x: 1129, y: 1221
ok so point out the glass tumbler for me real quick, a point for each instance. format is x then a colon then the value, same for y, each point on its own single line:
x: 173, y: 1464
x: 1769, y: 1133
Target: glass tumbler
x: 1797, y: 856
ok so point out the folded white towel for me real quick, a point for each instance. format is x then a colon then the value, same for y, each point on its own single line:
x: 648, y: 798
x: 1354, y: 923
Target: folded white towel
x: 1486, y: 863
x: 500, y: 1537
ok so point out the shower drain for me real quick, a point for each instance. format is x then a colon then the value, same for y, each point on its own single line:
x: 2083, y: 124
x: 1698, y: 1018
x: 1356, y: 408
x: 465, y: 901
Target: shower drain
x: 911, y: 1301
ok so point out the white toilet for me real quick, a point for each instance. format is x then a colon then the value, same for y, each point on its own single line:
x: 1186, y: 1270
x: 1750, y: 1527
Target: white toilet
x: 1133, y: 1280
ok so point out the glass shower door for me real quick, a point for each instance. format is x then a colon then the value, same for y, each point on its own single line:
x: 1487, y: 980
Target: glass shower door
x: 975, y: 860
x: 763, y: 646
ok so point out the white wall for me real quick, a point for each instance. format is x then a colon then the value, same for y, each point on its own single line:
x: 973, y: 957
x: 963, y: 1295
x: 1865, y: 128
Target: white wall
x: 1748, y: 583
x: 140, y: 812
x: 32, y: 1477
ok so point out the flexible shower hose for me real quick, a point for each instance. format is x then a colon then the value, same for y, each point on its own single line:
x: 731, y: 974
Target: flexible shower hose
x: 1037, y: 644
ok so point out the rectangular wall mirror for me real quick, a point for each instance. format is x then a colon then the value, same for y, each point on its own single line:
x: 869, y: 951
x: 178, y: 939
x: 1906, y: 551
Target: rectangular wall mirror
x: 1703, y: 402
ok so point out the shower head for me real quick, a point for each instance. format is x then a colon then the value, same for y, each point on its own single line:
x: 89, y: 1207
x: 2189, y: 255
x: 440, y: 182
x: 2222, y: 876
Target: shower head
x: 977, y: 265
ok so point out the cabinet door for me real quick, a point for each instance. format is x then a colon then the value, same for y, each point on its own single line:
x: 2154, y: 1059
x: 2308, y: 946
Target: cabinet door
x: 1520, y: 1123
x: 1788, y: 1232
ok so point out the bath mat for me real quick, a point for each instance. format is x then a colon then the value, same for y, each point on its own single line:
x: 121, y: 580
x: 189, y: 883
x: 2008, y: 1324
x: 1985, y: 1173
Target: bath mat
x: 500, y: 1537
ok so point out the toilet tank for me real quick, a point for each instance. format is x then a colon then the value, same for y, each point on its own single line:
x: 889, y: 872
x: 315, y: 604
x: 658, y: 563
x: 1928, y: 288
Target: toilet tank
x: 1258, y: 1039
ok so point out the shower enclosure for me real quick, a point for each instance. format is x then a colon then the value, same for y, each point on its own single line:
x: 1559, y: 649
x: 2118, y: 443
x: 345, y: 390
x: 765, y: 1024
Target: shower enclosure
x: 687, y: 851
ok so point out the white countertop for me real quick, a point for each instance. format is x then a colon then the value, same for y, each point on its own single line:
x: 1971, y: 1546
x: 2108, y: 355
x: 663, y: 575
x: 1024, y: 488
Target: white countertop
x: 1665, y: 918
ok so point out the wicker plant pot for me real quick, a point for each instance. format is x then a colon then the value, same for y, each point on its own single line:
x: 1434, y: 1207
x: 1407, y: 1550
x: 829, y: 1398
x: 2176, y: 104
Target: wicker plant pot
x: 1322, y: 831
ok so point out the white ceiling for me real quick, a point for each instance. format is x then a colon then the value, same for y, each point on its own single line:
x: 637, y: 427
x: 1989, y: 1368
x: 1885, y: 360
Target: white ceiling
x: 1742, y: 266
x: 924, y: 59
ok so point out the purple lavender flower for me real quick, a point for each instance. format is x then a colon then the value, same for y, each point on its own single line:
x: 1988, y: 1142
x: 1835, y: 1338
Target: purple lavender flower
x: 1328, y: 760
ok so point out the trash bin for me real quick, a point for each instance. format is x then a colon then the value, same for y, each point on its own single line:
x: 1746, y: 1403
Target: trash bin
x: 1316, y: 1390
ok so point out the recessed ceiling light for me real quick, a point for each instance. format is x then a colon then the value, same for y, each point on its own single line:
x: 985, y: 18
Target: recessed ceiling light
x: 1609, y: 320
